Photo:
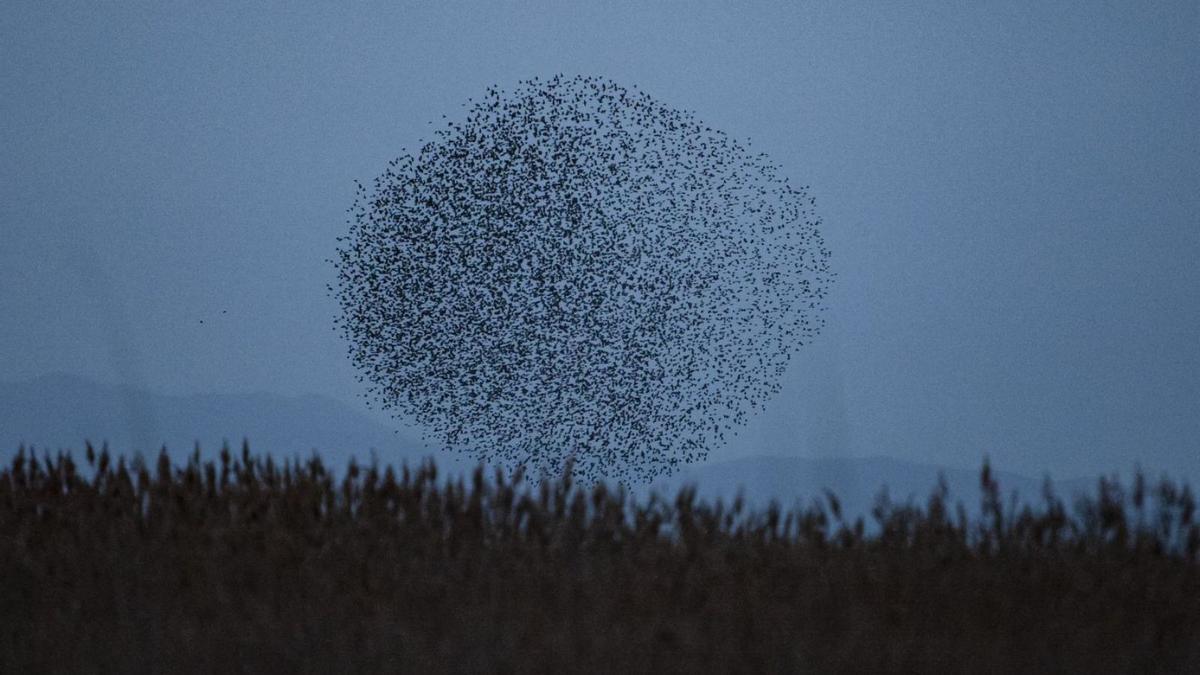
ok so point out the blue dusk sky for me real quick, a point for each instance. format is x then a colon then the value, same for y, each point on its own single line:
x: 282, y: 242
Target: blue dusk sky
x: 1010, y: 191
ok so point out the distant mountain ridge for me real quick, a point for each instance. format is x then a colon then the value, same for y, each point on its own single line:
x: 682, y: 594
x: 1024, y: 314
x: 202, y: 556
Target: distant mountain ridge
x: 62, y: 411
x: 855, y: 481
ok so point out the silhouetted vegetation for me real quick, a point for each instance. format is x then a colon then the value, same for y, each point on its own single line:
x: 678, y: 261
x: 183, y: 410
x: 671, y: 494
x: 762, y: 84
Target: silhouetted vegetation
x: 245, y: 565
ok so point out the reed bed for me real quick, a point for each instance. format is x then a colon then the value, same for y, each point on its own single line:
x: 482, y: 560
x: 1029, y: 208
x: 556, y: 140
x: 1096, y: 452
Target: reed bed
x: 247, y: 565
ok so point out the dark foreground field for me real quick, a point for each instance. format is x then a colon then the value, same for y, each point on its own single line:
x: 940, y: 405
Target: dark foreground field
x: 245, y: 566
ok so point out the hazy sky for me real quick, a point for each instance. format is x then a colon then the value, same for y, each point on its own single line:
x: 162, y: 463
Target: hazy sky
x: 1011, y: 192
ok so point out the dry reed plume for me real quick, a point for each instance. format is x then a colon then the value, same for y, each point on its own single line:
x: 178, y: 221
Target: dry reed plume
x: 246, y: 565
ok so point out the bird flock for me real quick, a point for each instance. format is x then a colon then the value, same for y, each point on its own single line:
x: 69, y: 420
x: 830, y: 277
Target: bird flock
x: 576, y: 272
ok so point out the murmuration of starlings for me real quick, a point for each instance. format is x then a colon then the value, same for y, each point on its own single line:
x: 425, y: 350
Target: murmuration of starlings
x: 574, y: 273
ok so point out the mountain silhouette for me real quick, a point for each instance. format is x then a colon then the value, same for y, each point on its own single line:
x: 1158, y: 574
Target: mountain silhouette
x: 856, y: 481
x: 61, y: 411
